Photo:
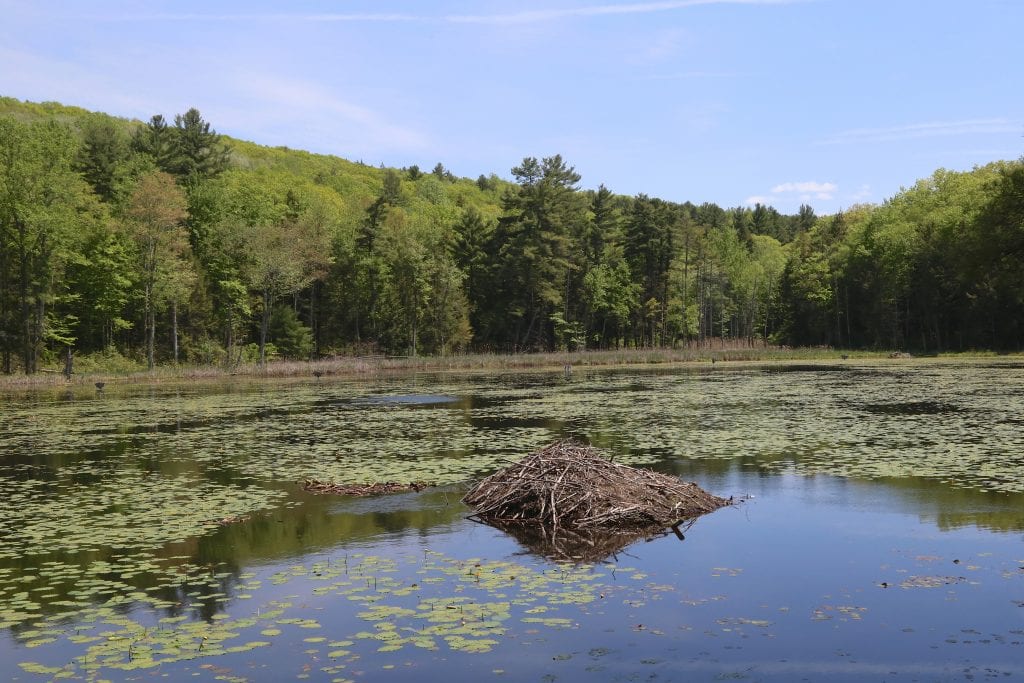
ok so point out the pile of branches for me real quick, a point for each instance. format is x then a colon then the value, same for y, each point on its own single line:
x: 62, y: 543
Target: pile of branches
x: 572, y: 486
x: 380, y: 488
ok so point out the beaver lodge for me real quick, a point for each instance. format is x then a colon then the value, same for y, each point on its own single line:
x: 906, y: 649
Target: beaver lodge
x: 567, y: 501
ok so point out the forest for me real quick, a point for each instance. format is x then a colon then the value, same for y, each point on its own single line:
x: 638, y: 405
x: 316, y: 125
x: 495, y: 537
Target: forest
x: 164, y: 242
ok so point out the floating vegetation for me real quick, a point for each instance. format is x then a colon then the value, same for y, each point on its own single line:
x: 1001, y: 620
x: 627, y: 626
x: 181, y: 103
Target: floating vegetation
x: 843, y: 612
x: 123, y: 509
x: 425, y: 601
x: 377, y: 489
x: 956, y: 424
x: 959, y: 425
x: 130, y: 517
x: 930, y: 581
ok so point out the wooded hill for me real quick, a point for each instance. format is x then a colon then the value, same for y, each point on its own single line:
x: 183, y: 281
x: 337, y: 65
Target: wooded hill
x: 166, y: 242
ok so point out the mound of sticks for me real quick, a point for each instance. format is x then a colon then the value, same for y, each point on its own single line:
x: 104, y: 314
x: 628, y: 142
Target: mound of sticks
x: 378, y: 489
x: 568, y: 485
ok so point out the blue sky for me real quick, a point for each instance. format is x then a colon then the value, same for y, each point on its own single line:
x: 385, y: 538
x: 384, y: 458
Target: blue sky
x: 828, y: 102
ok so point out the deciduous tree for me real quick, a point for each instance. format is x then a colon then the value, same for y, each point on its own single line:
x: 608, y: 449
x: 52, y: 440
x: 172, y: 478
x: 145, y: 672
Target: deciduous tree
x: 155, y: 217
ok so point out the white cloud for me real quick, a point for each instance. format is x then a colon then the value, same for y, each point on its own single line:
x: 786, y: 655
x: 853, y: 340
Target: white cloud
x: 807, y: 190
x: 925, y: 130
x: 790, y: 193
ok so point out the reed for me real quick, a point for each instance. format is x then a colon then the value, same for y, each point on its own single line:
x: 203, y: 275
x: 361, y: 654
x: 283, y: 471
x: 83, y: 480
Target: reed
x: 710, y: 352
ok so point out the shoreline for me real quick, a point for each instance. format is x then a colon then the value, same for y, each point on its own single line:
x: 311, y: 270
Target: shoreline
x: 354, y: 367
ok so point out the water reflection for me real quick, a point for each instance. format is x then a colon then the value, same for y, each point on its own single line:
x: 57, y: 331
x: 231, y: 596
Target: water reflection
x: 582, y: 545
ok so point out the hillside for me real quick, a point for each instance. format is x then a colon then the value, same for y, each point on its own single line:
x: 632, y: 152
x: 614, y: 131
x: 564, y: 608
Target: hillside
x: 162, y: 241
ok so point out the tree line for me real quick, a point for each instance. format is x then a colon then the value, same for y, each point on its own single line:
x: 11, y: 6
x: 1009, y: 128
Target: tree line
x: 165, y: 242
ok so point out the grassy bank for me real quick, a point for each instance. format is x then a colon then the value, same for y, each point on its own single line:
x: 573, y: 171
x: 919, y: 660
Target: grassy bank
x: 362, y: 366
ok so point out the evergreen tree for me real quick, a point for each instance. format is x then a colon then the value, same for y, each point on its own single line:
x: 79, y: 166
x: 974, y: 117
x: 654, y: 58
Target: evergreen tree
x: 198, y: 149
x: 157, y: 141
x: 472, y: 235
x: 102, y: 157
x: 533, y: 243
x: 649, y: 248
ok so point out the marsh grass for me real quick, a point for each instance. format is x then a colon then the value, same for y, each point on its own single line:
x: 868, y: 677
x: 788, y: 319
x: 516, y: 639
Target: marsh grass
x: 714, y: 351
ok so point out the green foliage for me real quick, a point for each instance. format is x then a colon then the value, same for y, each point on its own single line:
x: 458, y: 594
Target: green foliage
x: 102, y: 158
x: 107, y: 361
x: 204, y: 351
x: 103, y: 274
x: 155, y: 215
x: 291, y: 338
x: 43, y: 203
x: 532, y: 246
x: 930, y: 269
x: 411, y: 262
x: 190, y: 150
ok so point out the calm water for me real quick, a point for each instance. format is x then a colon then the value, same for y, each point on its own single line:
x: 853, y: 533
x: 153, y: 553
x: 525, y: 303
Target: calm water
x: 163, y: 533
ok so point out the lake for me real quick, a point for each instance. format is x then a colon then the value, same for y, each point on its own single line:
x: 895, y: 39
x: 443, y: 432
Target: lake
x: 162, y: 532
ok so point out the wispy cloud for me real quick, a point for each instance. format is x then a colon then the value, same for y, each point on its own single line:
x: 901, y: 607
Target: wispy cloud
x: 270, y: 17
x: 249, y: 104
x: 535, y: 16
x: 525, y: 17
x: 39, y: 77
x: 687, y: 75
x: 926, y: 130
x: 861, y: 195
x: 318, y: 109
x: 662, y: 46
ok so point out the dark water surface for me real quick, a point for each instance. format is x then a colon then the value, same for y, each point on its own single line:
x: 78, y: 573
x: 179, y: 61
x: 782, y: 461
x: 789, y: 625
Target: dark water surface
x: 163, y: 533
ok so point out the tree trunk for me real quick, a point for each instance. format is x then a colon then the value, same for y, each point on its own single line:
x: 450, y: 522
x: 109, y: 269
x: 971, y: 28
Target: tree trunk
x: 149, y: 266
x: 264, y: 327
x: 5, y: 334
x: 229, y: 342
x: 26, y: 313
x: 711, y: 304
x: 529, y: 328
x: 174, y: 329
x: 314, y: 322
x: 686, y: 284
x: 38, y: 327
x: 846, y: 291
x: 835, y: 300
x: 150, y: 327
